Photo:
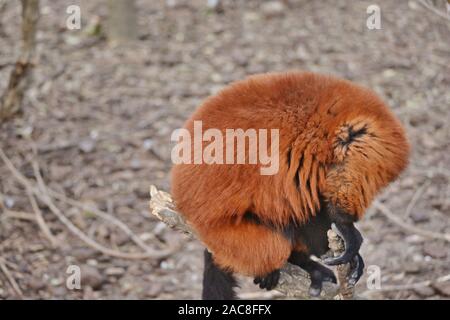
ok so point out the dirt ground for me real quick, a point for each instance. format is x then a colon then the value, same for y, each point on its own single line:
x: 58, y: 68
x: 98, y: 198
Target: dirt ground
x: 98, y: 119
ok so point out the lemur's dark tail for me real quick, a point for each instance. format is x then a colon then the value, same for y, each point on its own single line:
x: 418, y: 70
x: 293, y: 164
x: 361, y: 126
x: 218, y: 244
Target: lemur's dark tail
x: 217, y: 284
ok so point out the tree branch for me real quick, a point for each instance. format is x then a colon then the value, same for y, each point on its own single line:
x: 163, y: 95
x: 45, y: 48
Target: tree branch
x: 294, y: 281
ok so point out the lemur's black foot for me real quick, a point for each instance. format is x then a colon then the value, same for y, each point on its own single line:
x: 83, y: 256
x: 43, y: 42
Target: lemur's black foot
x: 316, y: 271
x: 318, y: 276
x: 269, y: 281
x: 357, y: 269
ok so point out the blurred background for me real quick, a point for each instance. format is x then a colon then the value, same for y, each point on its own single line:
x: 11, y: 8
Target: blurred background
x: 88, y: 107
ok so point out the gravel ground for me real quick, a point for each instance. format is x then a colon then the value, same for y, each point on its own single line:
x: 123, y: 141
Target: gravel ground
x: 97, y: 121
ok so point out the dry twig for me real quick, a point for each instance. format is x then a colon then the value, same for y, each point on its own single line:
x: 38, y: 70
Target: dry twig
x: 11, y: 214
x: 434, y: 10
x: 105, y: 216
x: 10, y: 278
x: 41, y: 193
x: 40, y: 220
x: 398, y: 221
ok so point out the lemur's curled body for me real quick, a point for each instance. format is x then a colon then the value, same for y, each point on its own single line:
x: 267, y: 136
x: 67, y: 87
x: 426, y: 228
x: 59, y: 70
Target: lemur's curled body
x: 339, y: 145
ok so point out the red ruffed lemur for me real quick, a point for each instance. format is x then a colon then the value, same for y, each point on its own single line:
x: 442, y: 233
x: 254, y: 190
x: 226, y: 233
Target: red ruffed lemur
x: 339, y: 145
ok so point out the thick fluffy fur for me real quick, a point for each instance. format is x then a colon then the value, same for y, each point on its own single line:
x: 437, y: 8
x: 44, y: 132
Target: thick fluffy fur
x: 338, y: 143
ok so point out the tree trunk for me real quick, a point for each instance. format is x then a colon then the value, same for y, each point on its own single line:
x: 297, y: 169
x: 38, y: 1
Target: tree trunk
x: 11, y: 99
x: 122, y: 23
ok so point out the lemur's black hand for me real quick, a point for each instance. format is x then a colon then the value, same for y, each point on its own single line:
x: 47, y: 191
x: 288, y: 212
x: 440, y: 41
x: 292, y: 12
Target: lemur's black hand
x: 352, y: 240
x: 269, y: 281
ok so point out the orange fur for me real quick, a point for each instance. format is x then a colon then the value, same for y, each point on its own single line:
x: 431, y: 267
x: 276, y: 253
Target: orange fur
x: 269, y: 250
x: 338, y: 140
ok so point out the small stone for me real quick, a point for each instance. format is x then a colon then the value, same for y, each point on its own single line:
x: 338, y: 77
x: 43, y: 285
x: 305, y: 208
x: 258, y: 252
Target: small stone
x: 408, y: 182
x: 92, y: 262
x: 58, y: 292
x: 250, y: 16
x: 94, y: 134
x: 36, y: 284
x: 88, y: 293
x: 82, y: 254
x: 159, y: 228
x: 134, y: 270
x: 412, y: 268
x: 273, y: 9
x: 415, y: 239
x: 418, y: 257
x: 56, y: 282
x: 170, y: 59
x: 217, y: 78
x: 167, y: 265
x: 418, y: 216
x: 148, y: 144
x: 58, y: 173
x: 171, y: 3
x: 115, y: 271
x: 240, y: 59
x: 213, y: 89
x: 215, y: 5
x: 413, y: 5
x: 443, y: 288
x: 146, y: 236
x: 416, y: 119
x: 135, y: 164
x: 302, y: 53
x: 87, y: 145
x: 424, y: 291
x: 126, y: 286
x: 429, y: 141
x: 90, y: 276
x: 389, y: 73
x: 435, y: 250
x: 9, y: 202
x: 120, y: 239
x: 25, y: 132
x: 72, y: 40
x: 154, y: 290
x: 102, y: 232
